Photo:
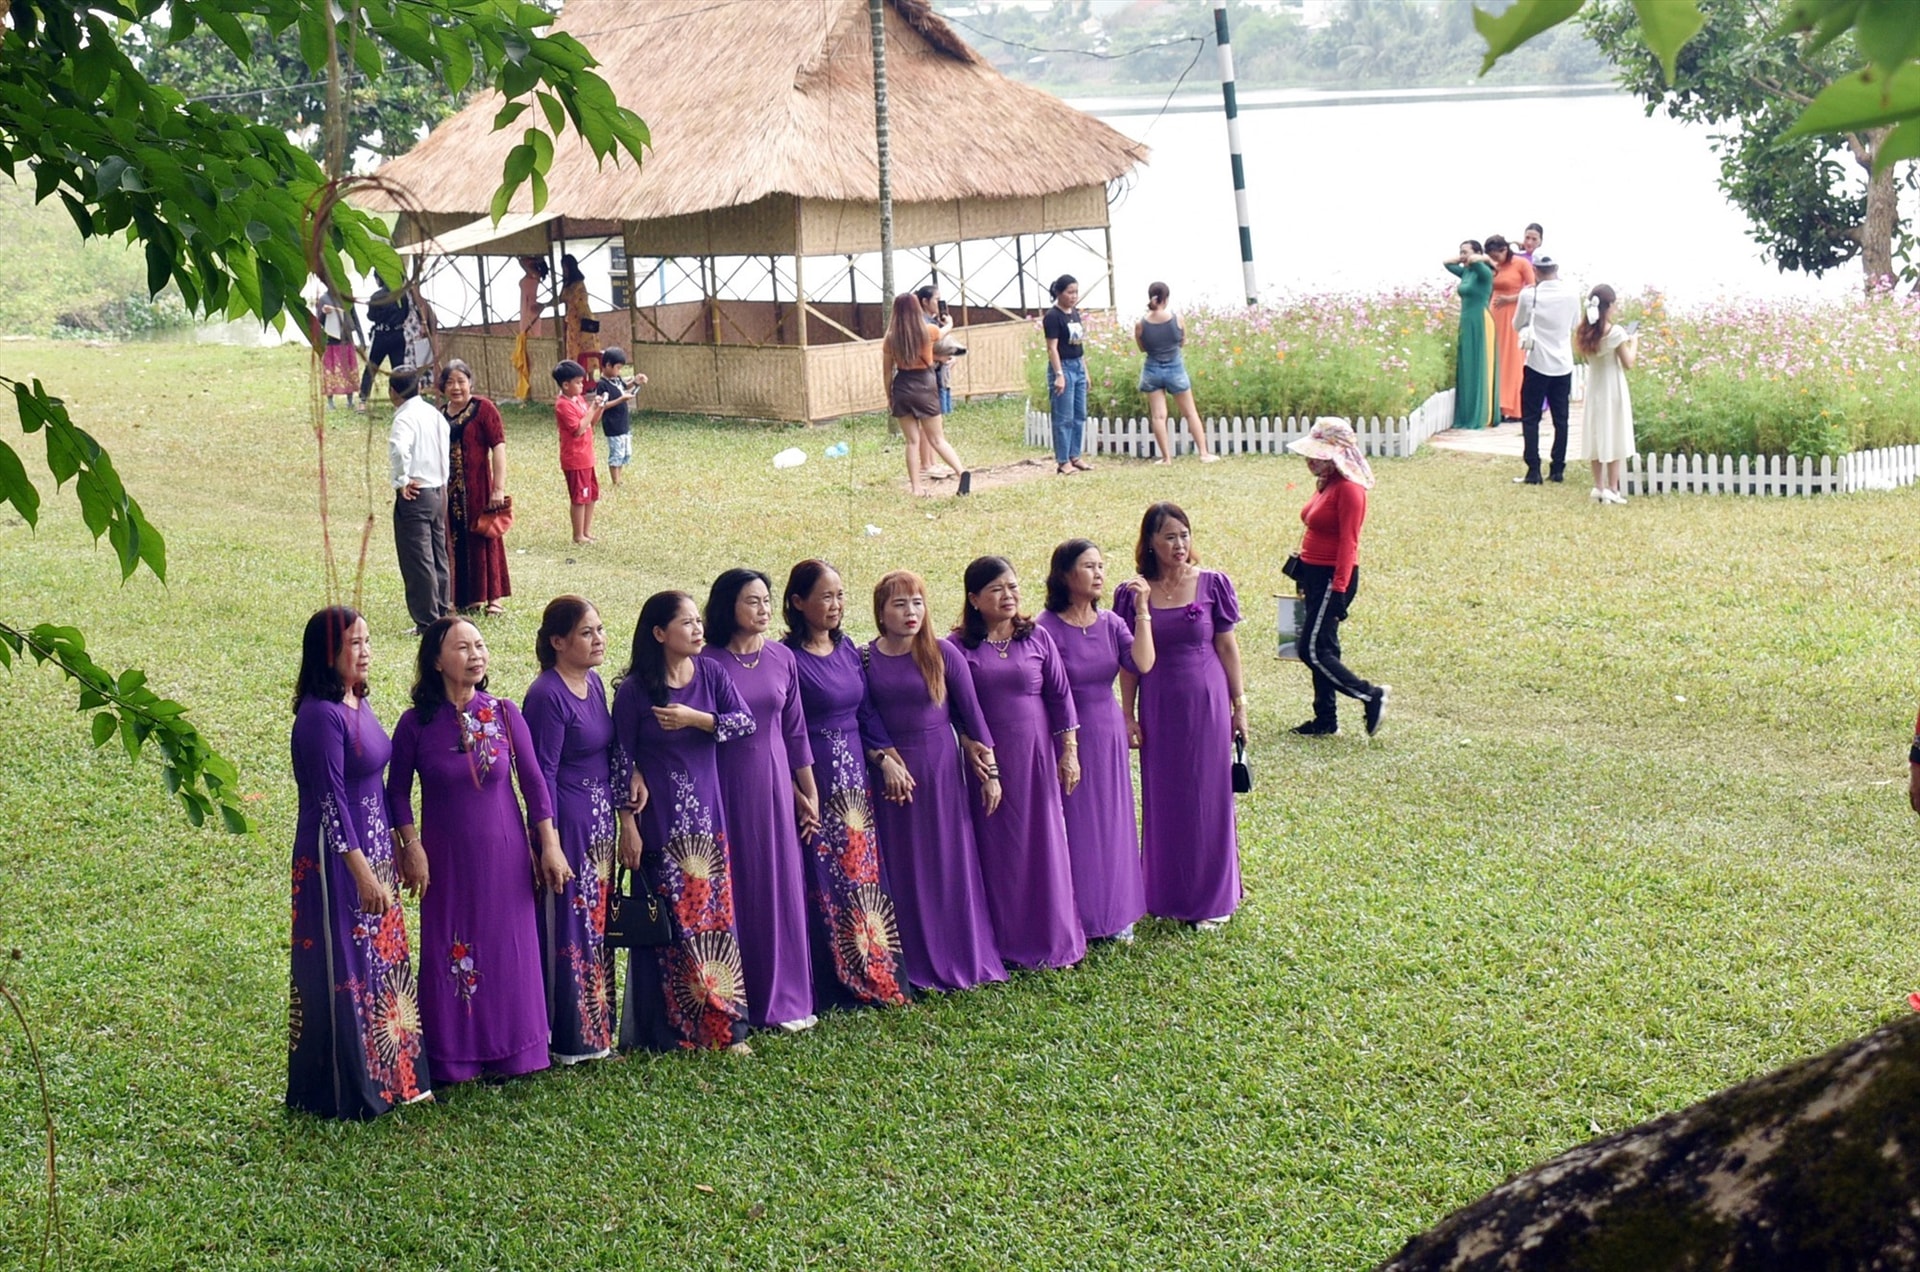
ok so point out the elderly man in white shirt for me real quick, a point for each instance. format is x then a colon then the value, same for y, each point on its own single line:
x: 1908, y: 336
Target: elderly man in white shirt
x: 417, y: 449
x: 1552, y: 309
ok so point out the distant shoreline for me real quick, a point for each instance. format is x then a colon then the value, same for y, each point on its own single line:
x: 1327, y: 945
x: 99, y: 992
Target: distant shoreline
x: 1296, y: 98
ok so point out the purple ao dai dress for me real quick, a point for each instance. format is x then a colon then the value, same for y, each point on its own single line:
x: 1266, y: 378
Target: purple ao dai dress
x: 763, y: 835
x: 932, y: 863
x: 1027, y: 702
x: 691, y: 993
x: 1188, y: 844
x: 585, y: 772
x: 353, y: 1012
x: 855, y: 931
x: 1102, y: 837
x: 481, y: 1001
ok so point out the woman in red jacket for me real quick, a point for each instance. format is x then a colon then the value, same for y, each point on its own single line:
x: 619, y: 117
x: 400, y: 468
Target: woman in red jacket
x: 1330, y: 571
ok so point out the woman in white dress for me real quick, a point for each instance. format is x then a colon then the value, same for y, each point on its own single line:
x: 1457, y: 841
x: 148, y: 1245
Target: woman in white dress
x: 1608, y: 426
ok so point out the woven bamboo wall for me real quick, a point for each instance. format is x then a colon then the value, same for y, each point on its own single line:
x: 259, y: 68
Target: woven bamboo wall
x: 831, y: 227
x: 996, y: 359
x: 845, y: 379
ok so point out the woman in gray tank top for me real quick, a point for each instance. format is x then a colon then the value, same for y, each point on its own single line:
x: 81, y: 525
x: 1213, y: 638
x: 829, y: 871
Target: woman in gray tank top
x: 1160, y: 336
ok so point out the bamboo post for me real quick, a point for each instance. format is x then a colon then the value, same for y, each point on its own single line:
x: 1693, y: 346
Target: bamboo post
x: 877, y: 21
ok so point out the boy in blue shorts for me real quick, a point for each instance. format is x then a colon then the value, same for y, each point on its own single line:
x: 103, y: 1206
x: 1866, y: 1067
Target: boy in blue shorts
x: 616, y: 421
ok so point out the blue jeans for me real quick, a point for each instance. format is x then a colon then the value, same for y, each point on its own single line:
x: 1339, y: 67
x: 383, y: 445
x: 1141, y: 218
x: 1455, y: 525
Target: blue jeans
x: 946, y: 399
x: 1069, y: 410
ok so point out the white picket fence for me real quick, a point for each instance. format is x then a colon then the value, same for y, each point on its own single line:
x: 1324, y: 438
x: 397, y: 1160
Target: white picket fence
x: 1251, y: 435
x: 1884, y: 469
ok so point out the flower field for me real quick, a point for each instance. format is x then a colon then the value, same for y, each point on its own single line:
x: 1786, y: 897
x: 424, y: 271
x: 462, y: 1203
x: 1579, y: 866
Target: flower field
x: 1351, y: 355
x: 1771, y: 378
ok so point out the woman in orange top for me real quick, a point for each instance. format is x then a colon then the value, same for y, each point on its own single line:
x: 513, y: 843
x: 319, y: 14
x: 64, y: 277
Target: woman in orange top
x: 1512, y: 274
x: 913, y: 395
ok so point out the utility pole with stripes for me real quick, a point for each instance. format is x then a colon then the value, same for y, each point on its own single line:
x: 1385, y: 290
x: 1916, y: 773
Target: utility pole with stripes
x: 877, y: 20
x: 1233, y: 145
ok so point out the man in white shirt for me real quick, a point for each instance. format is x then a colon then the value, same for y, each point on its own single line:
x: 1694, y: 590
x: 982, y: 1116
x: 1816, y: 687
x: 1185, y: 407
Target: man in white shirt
x: 417, y: 449
x: 1552, y: 308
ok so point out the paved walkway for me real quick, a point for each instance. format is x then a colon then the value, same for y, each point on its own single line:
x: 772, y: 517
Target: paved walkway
x: 1505, y: 440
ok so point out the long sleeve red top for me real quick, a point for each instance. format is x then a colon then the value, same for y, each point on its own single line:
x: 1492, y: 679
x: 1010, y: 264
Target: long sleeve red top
x: 1333, y: 518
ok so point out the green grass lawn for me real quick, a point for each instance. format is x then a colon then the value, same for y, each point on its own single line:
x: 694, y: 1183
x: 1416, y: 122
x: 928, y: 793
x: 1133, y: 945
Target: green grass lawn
x: 1636, y: 829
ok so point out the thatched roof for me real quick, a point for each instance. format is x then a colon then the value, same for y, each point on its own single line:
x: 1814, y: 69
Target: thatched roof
x: 751, y: 98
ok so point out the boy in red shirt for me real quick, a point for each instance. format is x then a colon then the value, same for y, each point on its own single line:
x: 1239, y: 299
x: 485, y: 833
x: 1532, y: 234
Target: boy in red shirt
x: 575, y: 414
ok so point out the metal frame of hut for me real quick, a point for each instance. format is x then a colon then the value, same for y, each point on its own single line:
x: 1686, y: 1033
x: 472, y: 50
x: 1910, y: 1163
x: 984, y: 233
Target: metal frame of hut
x: 764, y: 159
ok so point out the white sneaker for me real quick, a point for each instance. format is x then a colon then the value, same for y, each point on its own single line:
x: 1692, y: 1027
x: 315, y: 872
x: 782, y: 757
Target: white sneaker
x: 1212, y: 925
x: 801, y: 1025
x: 1124, y: 936
x: 1612, y: 497
x: 1597, y: 495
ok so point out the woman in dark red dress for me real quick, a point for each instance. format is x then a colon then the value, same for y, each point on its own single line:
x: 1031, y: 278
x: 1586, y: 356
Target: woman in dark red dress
x: 476, y: 483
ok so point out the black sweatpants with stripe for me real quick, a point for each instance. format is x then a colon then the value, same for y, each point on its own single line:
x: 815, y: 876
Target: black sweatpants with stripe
x: 1320, y: 639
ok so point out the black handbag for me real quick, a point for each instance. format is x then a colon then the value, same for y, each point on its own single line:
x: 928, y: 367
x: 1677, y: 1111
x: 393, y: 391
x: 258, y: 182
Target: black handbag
x: 1242, y: 775
x: 638, y: 919
x: 1291, y: 566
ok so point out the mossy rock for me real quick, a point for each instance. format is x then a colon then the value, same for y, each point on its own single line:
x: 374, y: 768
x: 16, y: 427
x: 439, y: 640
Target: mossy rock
x: 1814, y: 1166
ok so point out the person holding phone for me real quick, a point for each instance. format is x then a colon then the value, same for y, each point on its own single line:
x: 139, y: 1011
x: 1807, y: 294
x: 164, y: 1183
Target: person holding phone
x: 1608, y: 430
x: 1065, y: 329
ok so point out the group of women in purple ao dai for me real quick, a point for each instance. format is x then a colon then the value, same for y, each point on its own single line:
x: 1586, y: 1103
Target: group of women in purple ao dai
x: 827, y: 825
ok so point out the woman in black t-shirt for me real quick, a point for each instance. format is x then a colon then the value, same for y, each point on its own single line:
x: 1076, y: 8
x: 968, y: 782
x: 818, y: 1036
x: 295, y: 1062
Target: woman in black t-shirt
x: 1066, y: 375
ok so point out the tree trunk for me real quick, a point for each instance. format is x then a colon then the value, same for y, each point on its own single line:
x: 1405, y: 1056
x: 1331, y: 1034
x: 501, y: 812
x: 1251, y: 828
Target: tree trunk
x: 1814, y: 1166
x: 1883, y: 214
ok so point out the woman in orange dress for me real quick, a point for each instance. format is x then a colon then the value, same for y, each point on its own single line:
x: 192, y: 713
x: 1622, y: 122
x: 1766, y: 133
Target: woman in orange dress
x: 1512, y: 274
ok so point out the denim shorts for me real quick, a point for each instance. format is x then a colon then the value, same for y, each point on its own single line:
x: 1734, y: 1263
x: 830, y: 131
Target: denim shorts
x: 1170, y: 377
x: 619, y: 450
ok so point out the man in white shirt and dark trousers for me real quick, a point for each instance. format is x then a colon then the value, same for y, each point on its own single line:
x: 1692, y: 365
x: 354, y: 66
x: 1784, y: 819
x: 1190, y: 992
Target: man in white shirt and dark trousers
x: 417, y: 457
x: 1552, y: 309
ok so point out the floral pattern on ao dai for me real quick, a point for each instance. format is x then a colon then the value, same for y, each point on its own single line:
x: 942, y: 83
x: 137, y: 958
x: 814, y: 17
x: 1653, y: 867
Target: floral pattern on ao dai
x: 353, y: 1014
x: 691, y: 993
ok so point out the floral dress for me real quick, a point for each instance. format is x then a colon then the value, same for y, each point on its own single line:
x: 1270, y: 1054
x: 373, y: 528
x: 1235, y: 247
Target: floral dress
x: 691, y: 993
x: 353, y: 1012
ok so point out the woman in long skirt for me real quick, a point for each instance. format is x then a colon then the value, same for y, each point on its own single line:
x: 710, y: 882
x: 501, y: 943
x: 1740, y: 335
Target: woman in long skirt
x: 353, y: 1013
x: 572, y: 731
x: 921, y: 690
x: 766, y: 785
x: 1024, y: 694
x: 476, y: 484
x: 672, y: 710
x: 1190, y: 710
x: 852, y: 925
x: 1474, y: 401
x: 1102, y: 837
x: 481, y: 999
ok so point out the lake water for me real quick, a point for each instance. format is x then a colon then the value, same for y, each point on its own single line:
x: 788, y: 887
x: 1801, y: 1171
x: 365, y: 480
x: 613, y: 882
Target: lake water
x: 1366, y: 196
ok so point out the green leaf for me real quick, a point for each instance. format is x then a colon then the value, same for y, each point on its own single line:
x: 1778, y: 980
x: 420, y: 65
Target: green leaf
x: 1864, y: 99
x: 508, y: 113
x: 555, y: 112
x: 539, y: 192
x: 1520, y: 23
x: 1887, y: 32
x: 15, y: 488
x: 542, y: 149
x: 1902, y: 143
x: 237, y: 822
x: 103, y: 726
x: 129, y: 738
x: 1667, y: 25
x: 519, y: 164
x: 502, y: 199
x: 458, y: 56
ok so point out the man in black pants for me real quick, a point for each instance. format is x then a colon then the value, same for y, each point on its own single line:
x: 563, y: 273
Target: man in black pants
x: 387, y: 310
x: 417, y: 458
x: 1552, y: 309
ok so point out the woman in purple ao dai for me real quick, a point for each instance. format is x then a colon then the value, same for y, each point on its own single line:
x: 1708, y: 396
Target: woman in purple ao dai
x: 766, y: 786
x: 921, y: 690
x: 1190, y: 710
x: 854, y: 929
x: 1102, y: 837
x: 672, y: 712
x: 572, y: 731
x: 1028, y: 704
x: 482, y: 1005
x: 353, y: 1011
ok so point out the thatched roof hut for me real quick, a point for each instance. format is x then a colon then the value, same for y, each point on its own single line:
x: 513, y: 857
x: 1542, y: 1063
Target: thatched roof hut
x: 761, y: 114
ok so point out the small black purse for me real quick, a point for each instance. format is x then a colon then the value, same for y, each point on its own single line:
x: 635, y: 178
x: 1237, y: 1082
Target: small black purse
x: 638, y: 919
x: 1242, y: 775
x: 1291, y: 566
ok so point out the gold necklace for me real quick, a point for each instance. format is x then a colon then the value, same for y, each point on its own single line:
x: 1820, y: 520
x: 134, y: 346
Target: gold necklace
x: 1000, y: 647
x: 745, y: 663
